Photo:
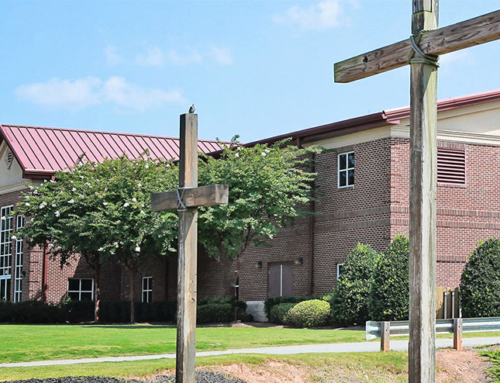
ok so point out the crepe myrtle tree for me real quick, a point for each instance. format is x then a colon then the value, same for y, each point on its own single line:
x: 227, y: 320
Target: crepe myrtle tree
x: 268, y: 188
x: 102, y: 211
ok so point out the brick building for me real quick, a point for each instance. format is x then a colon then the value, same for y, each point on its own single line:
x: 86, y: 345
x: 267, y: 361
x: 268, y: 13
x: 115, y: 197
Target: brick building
x: 364, y: 197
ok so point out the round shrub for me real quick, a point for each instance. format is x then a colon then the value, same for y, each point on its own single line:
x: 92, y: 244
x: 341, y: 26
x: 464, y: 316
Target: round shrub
x: 480, y: 281
x: 312, y: 313
x: 278, y: 312
x: 390, y: 293
x: 350, y: 297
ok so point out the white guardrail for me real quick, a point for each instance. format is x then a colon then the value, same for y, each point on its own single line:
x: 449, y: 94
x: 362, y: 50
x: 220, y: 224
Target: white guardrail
x: 457, y: 326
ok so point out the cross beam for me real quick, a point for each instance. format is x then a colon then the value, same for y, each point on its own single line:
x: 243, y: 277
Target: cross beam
x: 187, y: 199
x: 479, y: 30
x: 193, y: 197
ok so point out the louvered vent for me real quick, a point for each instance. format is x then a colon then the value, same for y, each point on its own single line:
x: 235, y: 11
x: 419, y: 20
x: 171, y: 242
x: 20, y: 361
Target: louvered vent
x: 451, y: 166
x: 8, y: 159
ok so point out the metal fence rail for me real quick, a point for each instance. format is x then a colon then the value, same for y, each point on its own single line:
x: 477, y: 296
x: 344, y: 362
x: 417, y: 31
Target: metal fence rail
x: 443, y: 326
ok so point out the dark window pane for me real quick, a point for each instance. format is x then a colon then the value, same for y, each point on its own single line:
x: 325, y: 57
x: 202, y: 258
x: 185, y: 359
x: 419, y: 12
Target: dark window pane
x: 342, y: 179
x: 351, y: 160
x: 342, y: 161
x: 144, y: 283
x: 74, y: 284
x: 86, y: 284
x: 351, y: 177
x: 150, y: 280
x: 74, y: 296
x: 86, y: 296
x: 150, y: 297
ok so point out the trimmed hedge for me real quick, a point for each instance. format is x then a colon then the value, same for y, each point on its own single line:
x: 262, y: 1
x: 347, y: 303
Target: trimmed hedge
x: 210, y: 310
x: 480, y: 281
x: 279, y: 312
x: 312, y: 313
x: 389, y: 294
x: 350, y: 297
x: 269, y: 303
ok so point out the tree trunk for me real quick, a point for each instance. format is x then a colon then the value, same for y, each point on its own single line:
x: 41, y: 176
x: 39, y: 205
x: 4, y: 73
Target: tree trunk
x: 97, y: 286
x: 132, y: 296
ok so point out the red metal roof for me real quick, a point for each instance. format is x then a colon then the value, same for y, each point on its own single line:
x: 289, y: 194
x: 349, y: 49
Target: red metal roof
x: 42, y: 151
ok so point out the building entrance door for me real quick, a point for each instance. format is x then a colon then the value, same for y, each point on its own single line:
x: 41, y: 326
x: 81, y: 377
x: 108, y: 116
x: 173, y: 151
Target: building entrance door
x: 280, y: 280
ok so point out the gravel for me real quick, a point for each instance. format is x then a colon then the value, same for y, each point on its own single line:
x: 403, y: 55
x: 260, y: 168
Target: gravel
x: 201, y: 377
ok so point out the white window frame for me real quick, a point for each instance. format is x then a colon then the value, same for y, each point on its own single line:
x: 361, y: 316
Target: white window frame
x: 5, y: 251
x: 80, y: 291
x: 339, y: 267
x: 18, y: 268
x: 346, y: 170
x: 148, y: 291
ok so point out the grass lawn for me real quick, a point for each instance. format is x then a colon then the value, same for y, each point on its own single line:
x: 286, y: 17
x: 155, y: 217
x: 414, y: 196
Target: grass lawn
x: 24, y: 343
x: 372, y: 367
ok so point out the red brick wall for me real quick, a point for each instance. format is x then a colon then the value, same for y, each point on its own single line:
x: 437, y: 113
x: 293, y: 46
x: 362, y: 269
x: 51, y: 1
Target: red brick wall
x: 346, y: 216
x: 465, y: 214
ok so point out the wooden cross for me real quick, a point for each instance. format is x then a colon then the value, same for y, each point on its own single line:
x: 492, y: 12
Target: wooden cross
x: 186, y: 200
x: 422, y: 52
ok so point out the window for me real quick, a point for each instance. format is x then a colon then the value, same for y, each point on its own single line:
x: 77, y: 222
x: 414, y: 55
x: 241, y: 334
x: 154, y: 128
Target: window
x: 340, y: 266
x: 5, y: 252
x: 451, y: 166
x: 81, y: 289
x: 18, y: 276
x: 346, y: 170
x: 147, y: 289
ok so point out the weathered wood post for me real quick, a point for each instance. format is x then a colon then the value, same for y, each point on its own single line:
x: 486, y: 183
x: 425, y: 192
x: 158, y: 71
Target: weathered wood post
x: 423, y: 185
x: 188, y: 252
x: 457, y: 333
x: 385, y: 339
x: 186, y: 200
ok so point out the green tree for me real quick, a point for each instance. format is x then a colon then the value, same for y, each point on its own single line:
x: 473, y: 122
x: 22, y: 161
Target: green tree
x: 390, y: 292
x: 268, y: 187
x: 350, y: 296
x: 480, y: 281
x: 102, y: 211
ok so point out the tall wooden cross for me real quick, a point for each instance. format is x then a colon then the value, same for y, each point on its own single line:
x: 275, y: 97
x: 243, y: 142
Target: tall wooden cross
x: 421, y: 51
x: 186, y: 200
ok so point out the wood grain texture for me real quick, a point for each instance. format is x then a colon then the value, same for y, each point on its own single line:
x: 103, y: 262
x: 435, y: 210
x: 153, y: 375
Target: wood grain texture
x: 385, y: 340
x: 423, y: 190
x: 480, y: 30
x: 200, y: 196
x: 457, y: 333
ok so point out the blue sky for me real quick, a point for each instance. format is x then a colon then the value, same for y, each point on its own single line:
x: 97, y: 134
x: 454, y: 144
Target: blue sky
x: 255, y: 68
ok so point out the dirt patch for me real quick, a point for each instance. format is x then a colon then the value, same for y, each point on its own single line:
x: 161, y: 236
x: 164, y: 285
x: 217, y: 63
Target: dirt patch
x: 461, y: 366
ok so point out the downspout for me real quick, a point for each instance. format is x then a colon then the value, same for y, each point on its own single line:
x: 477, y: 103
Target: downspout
x: 44, y: 273
x: 312, y: 221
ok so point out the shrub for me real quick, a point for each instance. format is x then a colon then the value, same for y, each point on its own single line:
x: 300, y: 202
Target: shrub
x: 215, y: 313
x: 273, y: 301
x: 278, y: 312
x: 389, y: 294
x: 480, y: 281
x: 350, y: 297
x: 312, y: 313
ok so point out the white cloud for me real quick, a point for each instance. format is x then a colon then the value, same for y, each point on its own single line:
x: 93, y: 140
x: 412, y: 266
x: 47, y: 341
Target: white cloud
x: 154, y: 57
x: 118, y: 91
x: 221, y: 55
x: 455, y: 57
x: 85, y: 92
x: 192, y: 58
x: 112, y: 56
x: 65, y: 94
x: 325, y: 15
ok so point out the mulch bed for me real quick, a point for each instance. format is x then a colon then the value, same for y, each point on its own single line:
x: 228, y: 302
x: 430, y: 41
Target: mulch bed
x: 201, y: 377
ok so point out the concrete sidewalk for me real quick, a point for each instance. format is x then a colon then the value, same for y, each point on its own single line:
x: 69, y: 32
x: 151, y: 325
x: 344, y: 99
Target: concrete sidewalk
x: 396, y: 345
